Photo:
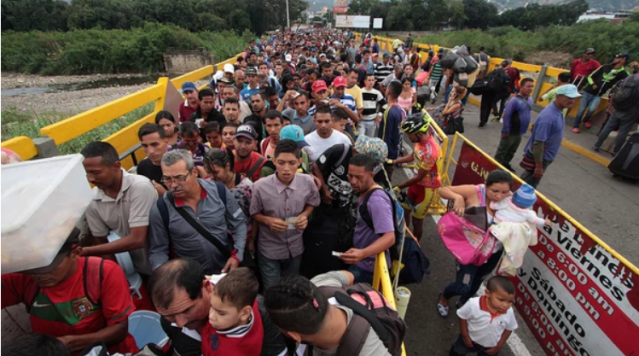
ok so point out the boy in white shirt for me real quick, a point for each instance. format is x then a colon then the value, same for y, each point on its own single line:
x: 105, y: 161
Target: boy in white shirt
x: 486, y: 322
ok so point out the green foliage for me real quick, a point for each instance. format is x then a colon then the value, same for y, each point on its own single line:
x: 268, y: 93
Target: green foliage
x: 109, y: 51
x: 479, y: 14
x: 16, y: 123
x: 535, y: 15
x: 258, y: 16
x: 509, y: 42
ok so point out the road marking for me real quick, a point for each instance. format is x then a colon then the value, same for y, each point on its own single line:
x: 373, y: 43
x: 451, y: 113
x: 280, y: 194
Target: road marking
x: 514, y: 341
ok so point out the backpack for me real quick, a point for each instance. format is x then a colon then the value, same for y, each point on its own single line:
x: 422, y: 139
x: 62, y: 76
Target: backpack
x: 411, y: 263
x: 370, y: 311
x: 627, y: 95
x: 91, y: 280
x: 499, y: 81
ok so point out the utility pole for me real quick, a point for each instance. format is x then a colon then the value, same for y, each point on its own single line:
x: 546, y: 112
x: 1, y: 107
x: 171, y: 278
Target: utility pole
x: 288, y: 19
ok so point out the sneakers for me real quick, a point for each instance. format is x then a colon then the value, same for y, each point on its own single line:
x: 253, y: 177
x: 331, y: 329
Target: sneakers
x: 587, y: 124
x: 496, y: 118
x: 575, y: 130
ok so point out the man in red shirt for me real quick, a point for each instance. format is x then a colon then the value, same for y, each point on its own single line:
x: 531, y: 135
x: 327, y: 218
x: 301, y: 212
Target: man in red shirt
x: 79, y: 300
x: 582, y: 67
x: 247, y: 160
x: 191, y: 102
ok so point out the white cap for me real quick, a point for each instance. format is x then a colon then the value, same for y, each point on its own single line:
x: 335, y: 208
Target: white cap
x: 228, y: 68
x: 289, y: 58
x: 218, y: 75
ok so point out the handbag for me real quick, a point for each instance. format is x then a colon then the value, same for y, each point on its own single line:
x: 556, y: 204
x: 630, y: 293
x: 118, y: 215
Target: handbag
x: 467, y: 238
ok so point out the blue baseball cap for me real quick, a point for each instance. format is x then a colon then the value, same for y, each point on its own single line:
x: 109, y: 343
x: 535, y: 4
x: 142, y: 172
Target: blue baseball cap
x: 295, y: 133
x: 568, y: 90
x: 188, y: 86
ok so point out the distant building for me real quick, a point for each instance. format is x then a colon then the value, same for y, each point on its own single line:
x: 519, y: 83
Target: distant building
x: 614, y: 17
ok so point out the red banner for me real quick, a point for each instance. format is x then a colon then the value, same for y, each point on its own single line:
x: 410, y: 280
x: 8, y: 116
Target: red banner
x: 575, y: 296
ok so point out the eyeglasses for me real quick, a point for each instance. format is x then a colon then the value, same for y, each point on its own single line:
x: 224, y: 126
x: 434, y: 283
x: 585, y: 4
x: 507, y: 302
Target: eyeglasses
x: 177, y: 179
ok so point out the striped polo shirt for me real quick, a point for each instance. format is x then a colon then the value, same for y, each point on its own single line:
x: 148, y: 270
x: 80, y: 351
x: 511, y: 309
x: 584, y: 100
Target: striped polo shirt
x: 372, y: 99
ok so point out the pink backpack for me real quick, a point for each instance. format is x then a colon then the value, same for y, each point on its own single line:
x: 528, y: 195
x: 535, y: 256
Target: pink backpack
x: 468, y: 243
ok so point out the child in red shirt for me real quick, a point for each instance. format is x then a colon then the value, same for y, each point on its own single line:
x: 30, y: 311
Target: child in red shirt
x: 235, y: 324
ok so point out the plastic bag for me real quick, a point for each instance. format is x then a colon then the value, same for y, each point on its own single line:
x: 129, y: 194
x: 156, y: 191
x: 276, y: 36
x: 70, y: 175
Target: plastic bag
x: 459, y: 66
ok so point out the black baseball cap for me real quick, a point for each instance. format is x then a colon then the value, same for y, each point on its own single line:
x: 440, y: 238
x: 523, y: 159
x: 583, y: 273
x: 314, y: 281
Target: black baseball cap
x: 72, y: 242
x: 622, y: 55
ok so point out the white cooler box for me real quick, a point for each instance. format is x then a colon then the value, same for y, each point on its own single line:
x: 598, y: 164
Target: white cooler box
x: 42, y: 200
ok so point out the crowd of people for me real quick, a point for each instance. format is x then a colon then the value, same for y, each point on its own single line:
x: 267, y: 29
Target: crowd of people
x: 245, y: 216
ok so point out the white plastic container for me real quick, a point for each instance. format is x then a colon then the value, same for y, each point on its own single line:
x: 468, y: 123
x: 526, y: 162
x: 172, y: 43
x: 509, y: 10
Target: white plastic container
x: 42, y: 200
x: 402, y: 297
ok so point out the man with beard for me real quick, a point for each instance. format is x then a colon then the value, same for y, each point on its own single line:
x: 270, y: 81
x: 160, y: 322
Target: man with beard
x: 199, y: 200
x: 258, y: 103
x: 300, y: 115
x: 247, y: 160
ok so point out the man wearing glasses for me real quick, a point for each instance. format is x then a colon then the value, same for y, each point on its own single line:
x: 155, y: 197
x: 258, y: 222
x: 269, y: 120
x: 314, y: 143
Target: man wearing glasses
x: 193, y: 204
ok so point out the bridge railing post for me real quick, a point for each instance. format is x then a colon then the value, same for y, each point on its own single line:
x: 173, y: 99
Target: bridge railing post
x: 539, y: 83
x: 46, y: 147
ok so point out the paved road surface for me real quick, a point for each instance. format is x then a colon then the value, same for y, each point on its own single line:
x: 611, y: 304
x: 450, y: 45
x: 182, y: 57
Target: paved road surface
x: 581, y: 187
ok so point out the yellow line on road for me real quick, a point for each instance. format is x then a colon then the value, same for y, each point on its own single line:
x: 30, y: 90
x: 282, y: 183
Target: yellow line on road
x: 585, y: 152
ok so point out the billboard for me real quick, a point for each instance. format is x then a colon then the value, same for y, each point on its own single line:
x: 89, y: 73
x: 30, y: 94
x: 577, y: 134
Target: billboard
x: 576, y: 296
x: 378, y: 23
x: 352, y: 21
x: 340, y: 6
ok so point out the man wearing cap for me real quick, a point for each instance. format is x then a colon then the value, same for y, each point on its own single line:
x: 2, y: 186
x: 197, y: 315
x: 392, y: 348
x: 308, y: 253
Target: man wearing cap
x: 247, y: 160
x: 229, y: 70
x: 200, y: 199
x: 548, y: 132
x: 78, y: 300
x: 383, y: 70
x: 219, y: 98
x: 340, y: 99
x: 121, y: 203
x: 191, y: 102
x: 289, y: 63
x: 253, y: 85
x: 599, y: 82
x: 582, y: 67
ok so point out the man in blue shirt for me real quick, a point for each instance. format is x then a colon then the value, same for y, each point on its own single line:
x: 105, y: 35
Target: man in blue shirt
x: 253, y: 85
x: 389, y: 126
x: 548, y: 132
x: 516, y: 120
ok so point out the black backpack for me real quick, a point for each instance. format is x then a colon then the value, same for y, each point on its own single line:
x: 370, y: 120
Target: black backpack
x: 413, y: 260
x: 370, y: 311
x: 499, y: 81
x: 627, y: 95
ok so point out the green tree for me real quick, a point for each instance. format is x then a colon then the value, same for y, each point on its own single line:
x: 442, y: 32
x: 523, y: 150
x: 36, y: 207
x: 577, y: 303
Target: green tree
x: 479, y: 14
x: 457, y: 14
x: 34, y: 15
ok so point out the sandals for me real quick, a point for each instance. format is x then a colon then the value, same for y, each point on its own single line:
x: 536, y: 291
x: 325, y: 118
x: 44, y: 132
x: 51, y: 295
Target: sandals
x: 441, y: 309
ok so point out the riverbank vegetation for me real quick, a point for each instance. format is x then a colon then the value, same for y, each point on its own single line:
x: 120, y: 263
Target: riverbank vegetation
x: 508, y: 42
x: 138, y: 50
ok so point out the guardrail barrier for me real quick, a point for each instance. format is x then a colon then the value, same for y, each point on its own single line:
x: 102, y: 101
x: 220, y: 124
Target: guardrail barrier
x: 577, y: 295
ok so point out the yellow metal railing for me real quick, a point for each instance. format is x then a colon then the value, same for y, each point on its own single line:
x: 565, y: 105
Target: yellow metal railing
x: 530, y: 70
x: 123, y: 140
x: 382, y: 283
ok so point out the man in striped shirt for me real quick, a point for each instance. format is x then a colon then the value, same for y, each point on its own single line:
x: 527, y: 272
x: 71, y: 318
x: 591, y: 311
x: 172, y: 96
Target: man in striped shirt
x: 383, y: 70
x: 373, y: 100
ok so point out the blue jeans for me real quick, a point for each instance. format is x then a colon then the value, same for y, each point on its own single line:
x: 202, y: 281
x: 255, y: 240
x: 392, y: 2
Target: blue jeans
x: 468, y: 279
x: 272, y: 270
x: 361, y: 275
x: 459, y: 349
x: 587, y: 105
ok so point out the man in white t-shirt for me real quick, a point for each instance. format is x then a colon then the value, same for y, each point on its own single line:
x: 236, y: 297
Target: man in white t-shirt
x: 324, y: 137
x: 314, y: 320
x: 486, y: 322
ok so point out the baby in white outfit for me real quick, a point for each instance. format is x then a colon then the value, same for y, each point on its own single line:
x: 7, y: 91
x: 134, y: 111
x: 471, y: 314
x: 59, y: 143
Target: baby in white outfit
x: 517, y: 208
